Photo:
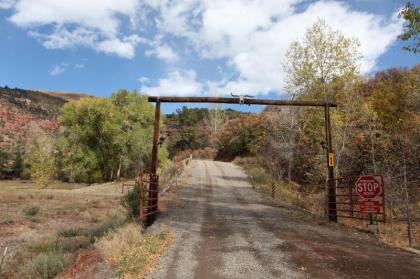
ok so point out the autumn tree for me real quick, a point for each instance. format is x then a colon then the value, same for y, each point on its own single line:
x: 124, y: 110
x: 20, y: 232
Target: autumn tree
x: 321, y: 66
x: 241, y: 136
x: 396, y: 101
x: 92, y: 124
x: 40, y: 158
x: 133, y: 141
x: 187, y: 129
x: 215, y: 116
x: 104, y: 138
x: 280, y: 147
x: 411, y: 15
x: 323, y: 56
x: 77, y: 162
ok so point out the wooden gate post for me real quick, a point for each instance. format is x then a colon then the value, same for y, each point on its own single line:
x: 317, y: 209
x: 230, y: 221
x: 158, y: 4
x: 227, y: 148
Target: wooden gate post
x: 332, y: 199
x: 153, y: 185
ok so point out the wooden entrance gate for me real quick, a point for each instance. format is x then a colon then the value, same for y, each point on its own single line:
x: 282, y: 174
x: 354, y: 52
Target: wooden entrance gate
x: 153, y: 189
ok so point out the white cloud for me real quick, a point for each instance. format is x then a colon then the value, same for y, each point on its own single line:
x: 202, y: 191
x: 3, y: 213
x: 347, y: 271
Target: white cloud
x: 61, y: 38
x: 57, y: 70
x: 176, y: 17
x: 254, y: 35
x: 79, y: 66
x: 94, y: 24
x: 177, y: 83
x: 94, y: 14
x: 249, y: 36
x: 6, y: 4
x: 144, y: 80
x: 164, y: 52
x: 116, y: 46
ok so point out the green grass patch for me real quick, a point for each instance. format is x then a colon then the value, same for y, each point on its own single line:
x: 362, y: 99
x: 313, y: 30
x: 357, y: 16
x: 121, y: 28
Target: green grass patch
x: 111, y: 223
x: 66, y: 244
x: 74, y: 244
x: 31, y: 210
x: 47, y: 265
x: 7, y: 220
x: 35, y: 219
x: 131, y: 201
x: 69, y: 232
x: 45, y: 245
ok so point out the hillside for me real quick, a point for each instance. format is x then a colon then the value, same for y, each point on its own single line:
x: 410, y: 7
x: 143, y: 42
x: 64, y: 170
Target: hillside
x: 22, y: 110
x: 64, y: 95
x: 37, y: 104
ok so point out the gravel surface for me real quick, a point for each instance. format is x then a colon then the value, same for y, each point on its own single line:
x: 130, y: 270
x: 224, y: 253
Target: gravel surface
x: 225, y: 229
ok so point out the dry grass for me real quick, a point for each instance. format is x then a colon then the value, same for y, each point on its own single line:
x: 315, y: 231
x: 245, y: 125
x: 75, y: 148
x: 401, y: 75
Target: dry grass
x: 207, y: 153
x: 263, y: 181
x: 393, y: 232
x: 28, y: 185
x: 130, y: 252
x: 34, y: 221
x: 109, y: 188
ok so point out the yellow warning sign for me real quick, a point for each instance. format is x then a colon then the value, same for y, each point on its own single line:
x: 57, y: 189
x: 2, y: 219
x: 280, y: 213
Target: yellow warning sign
x: 331, y: 159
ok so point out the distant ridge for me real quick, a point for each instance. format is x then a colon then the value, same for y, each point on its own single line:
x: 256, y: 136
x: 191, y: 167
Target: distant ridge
x: 43, y: 103
x: 21, y: 110
x: 68, y: 96
x: 37, y: 104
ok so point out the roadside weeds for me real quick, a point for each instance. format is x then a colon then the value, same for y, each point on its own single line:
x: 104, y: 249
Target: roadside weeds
x: 131, y: 253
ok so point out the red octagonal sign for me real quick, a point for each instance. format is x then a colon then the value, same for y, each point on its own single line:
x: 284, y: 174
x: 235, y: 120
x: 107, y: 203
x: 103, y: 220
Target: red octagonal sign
x: 368, y: 187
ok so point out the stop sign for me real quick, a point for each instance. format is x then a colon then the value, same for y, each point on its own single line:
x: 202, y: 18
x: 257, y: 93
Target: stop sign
x: 368, y: 187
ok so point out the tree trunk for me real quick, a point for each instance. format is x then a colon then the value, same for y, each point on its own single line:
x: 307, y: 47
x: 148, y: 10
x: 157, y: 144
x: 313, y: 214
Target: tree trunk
x: 290, y: 165
x: 391, y: 203
x: 372, y: 145
x: 119, y: 171
x: 407, y: 200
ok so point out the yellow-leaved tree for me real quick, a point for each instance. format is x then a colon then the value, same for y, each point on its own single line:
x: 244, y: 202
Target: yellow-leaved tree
x: 40, y: 159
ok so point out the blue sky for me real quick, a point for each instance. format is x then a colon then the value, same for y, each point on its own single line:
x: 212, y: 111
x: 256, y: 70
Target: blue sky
x: 184, y: 47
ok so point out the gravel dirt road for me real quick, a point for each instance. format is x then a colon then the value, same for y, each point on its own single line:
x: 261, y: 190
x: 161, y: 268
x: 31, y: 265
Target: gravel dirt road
x: 225, y: 229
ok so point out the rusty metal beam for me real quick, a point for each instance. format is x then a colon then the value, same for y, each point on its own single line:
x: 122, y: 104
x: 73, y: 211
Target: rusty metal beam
x: 246, y: 101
